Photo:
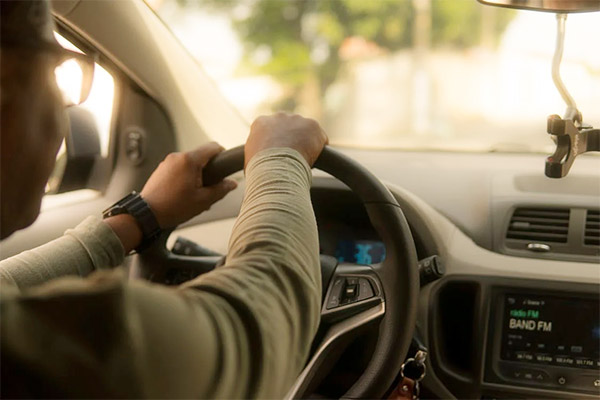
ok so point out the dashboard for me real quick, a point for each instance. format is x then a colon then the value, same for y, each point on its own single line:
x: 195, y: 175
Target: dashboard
x: 482, y: 342
x: 456, y: 211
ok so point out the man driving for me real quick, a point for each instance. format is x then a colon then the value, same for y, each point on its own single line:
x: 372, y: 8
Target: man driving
x: 242, y: 330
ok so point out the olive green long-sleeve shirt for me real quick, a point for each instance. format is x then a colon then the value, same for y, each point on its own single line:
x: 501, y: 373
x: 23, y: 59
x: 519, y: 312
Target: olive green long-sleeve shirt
x: 243, y: 330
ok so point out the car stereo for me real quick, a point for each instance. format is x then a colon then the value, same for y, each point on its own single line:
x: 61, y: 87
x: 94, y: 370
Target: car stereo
x: 551, y: 331
x: 547, y: 341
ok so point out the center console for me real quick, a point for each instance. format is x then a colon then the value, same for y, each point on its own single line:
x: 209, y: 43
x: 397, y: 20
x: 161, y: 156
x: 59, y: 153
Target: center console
x: 543, y: 339
x: 506, y: 338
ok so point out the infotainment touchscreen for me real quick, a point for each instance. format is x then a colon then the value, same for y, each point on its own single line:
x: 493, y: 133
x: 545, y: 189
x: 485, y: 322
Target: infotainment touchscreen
x: 551, y: 330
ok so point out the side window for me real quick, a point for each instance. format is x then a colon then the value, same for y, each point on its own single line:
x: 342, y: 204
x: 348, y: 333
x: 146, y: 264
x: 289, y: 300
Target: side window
x: 87, y: 143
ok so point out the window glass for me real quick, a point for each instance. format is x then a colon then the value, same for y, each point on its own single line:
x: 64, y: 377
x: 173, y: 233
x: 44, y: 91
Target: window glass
x: 98, y: 106
x: 414, y: 74
x: 100, y: 101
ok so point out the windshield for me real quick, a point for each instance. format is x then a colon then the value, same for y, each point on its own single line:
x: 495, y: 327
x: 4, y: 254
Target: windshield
x: 411, y: 74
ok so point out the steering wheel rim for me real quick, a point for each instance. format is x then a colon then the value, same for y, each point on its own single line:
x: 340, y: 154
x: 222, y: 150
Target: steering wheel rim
x: 395, y: 280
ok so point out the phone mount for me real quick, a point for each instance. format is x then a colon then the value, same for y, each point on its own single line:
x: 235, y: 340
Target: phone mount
x: 571, y: 135
x: 571, y: 141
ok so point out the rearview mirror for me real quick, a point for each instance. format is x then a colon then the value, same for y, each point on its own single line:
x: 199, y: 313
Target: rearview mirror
x: 557, y: 6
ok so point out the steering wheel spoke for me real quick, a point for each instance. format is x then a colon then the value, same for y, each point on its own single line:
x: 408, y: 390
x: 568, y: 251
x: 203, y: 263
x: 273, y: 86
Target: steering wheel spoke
x: 353, y: 299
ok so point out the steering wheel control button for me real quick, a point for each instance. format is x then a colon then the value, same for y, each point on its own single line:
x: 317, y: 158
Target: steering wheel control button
x: 365, y: 289
x: 350, y: 292
x: 347, y: 290
x: 335, y: 293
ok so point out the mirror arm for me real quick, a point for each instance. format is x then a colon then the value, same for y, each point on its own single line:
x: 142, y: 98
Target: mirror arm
x: 572, y: 113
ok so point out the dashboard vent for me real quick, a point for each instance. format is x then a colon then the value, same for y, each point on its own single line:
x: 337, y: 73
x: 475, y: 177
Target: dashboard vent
x: 592, y: 228
x: 540, y: 225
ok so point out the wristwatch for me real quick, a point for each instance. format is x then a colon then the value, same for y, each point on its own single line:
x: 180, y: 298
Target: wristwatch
x: 134, y: 205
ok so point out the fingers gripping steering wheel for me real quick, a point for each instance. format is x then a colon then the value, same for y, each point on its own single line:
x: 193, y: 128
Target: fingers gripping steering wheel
x: 392, y: 300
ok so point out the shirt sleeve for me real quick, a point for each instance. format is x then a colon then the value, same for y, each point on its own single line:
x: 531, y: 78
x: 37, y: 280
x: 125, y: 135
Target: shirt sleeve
x: 92, y: 245
x: 241, y: 331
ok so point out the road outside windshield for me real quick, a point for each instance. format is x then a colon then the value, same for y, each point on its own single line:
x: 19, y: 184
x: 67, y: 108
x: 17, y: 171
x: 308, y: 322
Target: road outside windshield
x: 411, y: 74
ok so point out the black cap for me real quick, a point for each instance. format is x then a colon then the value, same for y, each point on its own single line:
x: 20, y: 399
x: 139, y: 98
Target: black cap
x: 26, y: 23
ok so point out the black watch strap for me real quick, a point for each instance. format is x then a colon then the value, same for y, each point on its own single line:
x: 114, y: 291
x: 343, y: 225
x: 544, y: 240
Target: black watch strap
x: 134, y: 205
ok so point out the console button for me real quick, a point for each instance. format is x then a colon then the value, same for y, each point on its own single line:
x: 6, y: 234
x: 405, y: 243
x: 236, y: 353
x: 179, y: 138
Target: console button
x: 541, y: 376
x: 587, y: 381
x: 576, y: 349
x: 584, y: 362
x: 528, y: 374
x: 544, y: 358
x: 541, y: 346
x: 517, y: 373
x: 561, y: 380
x: 523, y: 356
x: 564, y: 360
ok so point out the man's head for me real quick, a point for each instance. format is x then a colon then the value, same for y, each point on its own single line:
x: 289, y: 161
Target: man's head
x: 33, y: 120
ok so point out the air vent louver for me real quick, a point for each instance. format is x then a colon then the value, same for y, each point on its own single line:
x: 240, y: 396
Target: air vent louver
x: 540, y: 225
x: 592, y: 228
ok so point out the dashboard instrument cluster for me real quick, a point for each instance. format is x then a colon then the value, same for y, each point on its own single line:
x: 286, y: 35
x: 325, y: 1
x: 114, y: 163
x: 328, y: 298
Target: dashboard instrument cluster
x: 350, y: 244
x: 345, y: 231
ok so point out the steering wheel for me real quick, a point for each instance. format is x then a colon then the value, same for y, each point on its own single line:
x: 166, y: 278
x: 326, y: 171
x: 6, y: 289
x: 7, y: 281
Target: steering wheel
x: 385, y: 292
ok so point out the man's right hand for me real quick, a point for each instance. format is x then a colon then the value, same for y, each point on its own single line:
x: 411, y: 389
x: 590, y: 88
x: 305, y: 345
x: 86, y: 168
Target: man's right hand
x: 286, y: 130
